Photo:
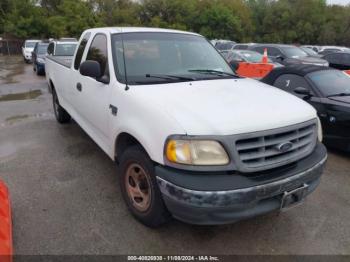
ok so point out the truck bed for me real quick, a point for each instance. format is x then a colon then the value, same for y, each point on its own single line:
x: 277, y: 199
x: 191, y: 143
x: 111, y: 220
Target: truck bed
x: 62, y: 60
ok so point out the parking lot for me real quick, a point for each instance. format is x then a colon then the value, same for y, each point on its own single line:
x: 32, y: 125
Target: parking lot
x: 66, y: 199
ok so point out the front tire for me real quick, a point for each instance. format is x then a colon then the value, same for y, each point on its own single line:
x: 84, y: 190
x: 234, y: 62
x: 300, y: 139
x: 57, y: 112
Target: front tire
x: 61, y: 114
x: 139, y: 188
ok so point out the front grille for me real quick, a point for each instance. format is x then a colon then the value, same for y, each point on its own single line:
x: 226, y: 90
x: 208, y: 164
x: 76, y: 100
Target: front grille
x: 262, y: 150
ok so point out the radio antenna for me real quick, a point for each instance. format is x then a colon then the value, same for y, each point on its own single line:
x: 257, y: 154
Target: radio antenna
x: 125, y: 72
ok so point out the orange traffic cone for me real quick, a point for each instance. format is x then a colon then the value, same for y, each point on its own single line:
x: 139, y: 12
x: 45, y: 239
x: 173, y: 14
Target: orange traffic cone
x: 265, y: 59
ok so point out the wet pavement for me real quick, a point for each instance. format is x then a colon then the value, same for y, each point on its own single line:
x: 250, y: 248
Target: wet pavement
x: 66, y: 199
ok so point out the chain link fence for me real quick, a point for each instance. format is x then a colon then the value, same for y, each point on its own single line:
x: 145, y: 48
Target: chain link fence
x: 11, y: 47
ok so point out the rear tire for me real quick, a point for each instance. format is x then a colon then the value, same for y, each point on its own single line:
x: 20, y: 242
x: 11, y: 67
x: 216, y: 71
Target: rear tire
x: 61, y: 114
x: 140, y: 189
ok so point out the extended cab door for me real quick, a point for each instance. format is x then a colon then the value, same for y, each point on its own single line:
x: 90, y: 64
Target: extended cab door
x: 93, y: 99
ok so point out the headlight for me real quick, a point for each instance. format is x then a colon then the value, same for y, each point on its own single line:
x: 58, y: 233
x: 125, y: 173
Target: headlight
x: 41, y: 60
x: 196, y: 152
x: 319, y: 130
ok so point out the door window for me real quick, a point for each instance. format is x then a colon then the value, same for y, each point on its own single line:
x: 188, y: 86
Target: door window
x: 80, y: 51
x: 273, y: 51
x: 289, y: 82
x: 50, y: 48
x: 98, y: 52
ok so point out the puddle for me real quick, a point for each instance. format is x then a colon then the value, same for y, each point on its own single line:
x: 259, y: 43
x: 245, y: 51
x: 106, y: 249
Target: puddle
x: 11, y: 67
x: 21, y: 96
x: 16, y: 118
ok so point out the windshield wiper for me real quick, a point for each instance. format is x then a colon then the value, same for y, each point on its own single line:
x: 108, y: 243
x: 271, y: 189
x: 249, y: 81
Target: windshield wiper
x: 340, y: 94
x: 170, y: 77
x: 213, y: 72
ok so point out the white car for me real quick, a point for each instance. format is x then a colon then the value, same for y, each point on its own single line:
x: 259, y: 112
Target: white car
x: 27, y: 49
x: 191, y: 139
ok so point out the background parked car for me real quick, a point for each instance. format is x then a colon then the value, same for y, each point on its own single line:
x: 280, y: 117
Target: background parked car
x: 225, y: 45
x: 333, y: 48
x: 68, y: 39
x: 327, y: 90
x: 288, y: 54
x: 27, y: 49
x: 61, y: 48
x: 339, y: 60
x: 310, y: 52
x: 312, y: 47
x: 234, y: 57
x: 38, y: 57
x: 243, y: 46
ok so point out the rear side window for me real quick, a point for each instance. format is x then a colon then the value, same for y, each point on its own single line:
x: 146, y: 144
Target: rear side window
x: 80, y: 51
x: 334, y: 58
x: 98, y: 52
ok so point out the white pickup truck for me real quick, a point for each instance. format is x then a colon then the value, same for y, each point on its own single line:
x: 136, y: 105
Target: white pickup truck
x: 191, y: 139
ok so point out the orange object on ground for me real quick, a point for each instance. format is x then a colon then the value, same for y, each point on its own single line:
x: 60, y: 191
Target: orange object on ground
x: 347, y: 71
x: 254, y: 70
x: 6, y: 248
x: 265, y: 59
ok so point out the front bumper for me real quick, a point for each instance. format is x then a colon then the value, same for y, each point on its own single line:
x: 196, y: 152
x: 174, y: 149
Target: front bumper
x: 28, y: 57
x: 219, y: 198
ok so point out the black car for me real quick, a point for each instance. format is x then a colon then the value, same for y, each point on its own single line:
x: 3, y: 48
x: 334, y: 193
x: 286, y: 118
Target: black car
x: 288, y: 54
x: 339, y: 60
x: 327, y: 90
x: 38, y: 58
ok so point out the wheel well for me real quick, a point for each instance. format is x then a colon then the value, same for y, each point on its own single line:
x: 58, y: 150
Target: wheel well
x: 123, y: 141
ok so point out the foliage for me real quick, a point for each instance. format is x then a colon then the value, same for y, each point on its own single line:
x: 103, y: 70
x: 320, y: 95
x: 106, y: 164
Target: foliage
x: 285, y: 21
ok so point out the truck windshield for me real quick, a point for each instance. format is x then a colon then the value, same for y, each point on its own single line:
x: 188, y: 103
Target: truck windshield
x: 65, y: 49
x: 152, y: 58
x: 331, y: 82
x: 293, y: 52
x: 30, y: 44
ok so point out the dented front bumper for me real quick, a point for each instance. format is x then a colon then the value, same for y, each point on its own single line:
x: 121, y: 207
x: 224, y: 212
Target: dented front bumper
x: 218, y: 198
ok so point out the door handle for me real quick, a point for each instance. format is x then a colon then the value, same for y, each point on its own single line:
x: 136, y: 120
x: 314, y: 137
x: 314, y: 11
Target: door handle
x: 79, y: 87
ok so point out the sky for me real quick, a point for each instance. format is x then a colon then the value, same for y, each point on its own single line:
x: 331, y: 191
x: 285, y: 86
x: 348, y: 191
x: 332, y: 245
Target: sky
x: 342, y: 2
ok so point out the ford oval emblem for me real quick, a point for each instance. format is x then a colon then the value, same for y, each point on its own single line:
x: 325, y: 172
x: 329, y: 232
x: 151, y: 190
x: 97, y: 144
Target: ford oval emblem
x: 284, y: 147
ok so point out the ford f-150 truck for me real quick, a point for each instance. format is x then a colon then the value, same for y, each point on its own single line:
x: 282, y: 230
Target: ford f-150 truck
x: 190, y: 138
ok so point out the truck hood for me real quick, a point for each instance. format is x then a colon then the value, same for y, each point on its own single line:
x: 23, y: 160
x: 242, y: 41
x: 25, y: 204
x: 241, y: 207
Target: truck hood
x: 226, y: 106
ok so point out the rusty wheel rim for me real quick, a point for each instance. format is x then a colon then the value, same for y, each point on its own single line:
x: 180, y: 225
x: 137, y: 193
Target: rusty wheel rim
x: 138, y: 187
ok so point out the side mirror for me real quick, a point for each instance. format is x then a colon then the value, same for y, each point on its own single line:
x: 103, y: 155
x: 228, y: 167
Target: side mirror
x: 303, y: 91
x: 279, y: 57
x: 93, y: 69
x: 90, y: 68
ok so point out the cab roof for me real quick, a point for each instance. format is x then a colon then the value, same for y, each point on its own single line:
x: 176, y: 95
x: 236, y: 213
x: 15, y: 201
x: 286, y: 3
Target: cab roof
x: 115, y: 30
x: 300, y: 70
